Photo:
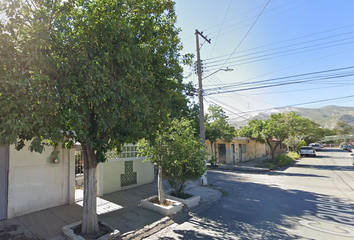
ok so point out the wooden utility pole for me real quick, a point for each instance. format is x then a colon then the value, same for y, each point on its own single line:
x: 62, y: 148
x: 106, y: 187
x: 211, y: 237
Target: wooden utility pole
x: 200, y: 92
x: 203, y: 179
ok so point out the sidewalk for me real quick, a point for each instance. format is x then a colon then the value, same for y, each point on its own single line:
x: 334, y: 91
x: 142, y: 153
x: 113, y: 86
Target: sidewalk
x: 248, y: 166
x: 120, y: 210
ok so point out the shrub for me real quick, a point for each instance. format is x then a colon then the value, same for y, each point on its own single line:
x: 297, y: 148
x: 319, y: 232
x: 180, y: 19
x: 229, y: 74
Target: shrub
x: 280, y: 161
x: 178, y: 152
x: 302, y: 143
x: 294, y: 155
x: 213, y: 161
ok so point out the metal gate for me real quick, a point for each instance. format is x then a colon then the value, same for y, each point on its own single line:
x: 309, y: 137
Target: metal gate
x: 79, y: 169
x: 4, y: 163
x: 222, y: 153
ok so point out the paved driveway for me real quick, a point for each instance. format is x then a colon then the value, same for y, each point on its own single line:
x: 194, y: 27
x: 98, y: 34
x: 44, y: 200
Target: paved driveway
x: 313, y: 199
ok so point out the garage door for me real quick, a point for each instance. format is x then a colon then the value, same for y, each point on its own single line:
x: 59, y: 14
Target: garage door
x: 3, y: 181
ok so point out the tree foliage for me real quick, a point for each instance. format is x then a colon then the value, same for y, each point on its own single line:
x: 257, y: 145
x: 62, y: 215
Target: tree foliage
x: 100, y: 72
x: 179, y: 153
x: 289, y: 127
x: 217, y: 127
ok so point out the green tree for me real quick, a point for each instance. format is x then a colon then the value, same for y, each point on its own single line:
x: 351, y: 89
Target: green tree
x: 302, y: 128
x: 177, y: 152
x: 289, y: 128
x: 98, y: 71
x: 277, y: 128
x: 344, y: 128
x: 217, y: 127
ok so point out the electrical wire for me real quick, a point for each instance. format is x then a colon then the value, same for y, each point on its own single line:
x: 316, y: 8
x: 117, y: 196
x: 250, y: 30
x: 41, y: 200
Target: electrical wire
x: 217, y: 37
x: 282, y: 78
x: 249, y: 30
x: 298, y: 104
x: 276, y: 85
x: 292, y: 45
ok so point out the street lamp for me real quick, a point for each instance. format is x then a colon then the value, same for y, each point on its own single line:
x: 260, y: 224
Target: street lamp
x: 203, y: 179
x: 221, y: 69
x: 201, y: 104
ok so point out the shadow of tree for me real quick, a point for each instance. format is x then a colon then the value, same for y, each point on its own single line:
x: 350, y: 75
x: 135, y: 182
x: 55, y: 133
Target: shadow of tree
x: 252, y: 211
x: 325, y: 167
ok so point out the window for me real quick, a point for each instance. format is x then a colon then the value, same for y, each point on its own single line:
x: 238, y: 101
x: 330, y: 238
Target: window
x: 128, y: 151
x: 243, y: 148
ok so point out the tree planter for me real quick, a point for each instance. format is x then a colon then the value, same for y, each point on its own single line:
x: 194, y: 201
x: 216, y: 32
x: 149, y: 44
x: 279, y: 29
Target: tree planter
x: 189, y: 202
x: 69, y: 232
x: 165, y: 210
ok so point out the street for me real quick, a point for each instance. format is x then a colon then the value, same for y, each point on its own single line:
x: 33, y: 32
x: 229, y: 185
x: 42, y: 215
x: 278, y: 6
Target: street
x: 313, y: 199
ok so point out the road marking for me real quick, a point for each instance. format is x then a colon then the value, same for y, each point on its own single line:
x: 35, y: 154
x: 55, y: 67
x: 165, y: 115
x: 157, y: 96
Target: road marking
x: 349, y: 232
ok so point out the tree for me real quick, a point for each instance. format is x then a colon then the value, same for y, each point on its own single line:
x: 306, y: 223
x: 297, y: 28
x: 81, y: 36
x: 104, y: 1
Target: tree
x: 343, y: 128
x: 289, y: 128
x: 99, y: 72
x: 217, y: 127
x: 177, y: 152
x: 302, y: 128
x: 277, y: 128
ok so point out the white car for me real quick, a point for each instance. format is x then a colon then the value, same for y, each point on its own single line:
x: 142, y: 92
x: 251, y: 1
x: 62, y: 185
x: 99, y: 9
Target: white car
x: 315, y: 146
x: 307, y: 151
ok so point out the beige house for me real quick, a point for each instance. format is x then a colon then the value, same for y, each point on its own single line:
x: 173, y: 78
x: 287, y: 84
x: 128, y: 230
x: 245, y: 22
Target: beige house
x: 31, y: 181
x: 240, y: 149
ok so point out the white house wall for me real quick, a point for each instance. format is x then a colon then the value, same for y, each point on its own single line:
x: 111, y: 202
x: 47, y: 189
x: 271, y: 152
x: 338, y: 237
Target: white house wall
x: 110, y: 172
x: 35, y: 183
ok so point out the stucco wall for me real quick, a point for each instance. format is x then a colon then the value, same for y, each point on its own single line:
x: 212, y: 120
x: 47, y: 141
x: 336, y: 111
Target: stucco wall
x: 35, y: 183
x: 254, y: 149
x: 110, y: 172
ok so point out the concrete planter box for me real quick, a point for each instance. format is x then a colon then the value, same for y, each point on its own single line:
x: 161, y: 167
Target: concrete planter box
x: 68, y: 232
x: 189, y: 202
x: 165, y: 210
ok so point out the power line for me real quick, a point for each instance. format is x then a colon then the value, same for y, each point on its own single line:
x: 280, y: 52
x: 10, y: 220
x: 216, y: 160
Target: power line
x: 217, y: 37
x: 288, y: 50
x: 281, y: 78
x: 247, y: 33
x: 299, y: 104
x: 277, y: 85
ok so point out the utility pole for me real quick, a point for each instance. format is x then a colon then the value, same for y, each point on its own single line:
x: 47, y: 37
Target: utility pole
x: 200, y: 83
x: 203, y: 179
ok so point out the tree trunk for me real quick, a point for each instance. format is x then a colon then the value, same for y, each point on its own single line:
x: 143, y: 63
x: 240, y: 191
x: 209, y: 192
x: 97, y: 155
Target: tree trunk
x: 211, y: 147
x: 272, y: 149
x: 161, y: 194
x: 215, y: 149
x: 89, y: 227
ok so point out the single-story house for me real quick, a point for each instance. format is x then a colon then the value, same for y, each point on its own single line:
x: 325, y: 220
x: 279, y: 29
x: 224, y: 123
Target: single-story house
x: 31, y: 181
x: 240, y: 149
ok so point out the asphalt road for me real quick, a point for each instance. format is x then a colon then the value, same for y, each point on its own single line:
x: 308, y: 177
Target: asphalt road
x: 313, y: 199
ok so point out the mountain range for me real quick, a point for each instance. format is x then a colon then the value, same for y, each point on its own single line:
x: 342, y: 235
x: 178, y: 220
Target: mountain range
x: 327, y: 117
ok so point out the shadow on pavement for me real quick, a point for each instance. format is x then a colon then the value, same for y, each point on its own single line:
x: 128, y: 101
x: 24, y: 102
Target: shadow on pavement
x: 255, y: 211
x: 325, y: 167
x: 294, y: 174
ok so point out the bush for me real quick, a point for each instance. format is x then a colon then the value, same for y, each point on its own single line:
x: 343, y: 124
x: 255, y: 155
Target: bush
x: 213, y: 161
x: 280, y: 161
x: 302, y: 143
x: 293, y: 155
x: 178, y: 152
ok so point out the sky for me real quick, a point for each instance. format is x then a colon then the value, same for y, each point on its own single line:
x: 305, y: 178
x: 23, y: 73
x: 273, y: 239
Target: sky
x: 270, y: 45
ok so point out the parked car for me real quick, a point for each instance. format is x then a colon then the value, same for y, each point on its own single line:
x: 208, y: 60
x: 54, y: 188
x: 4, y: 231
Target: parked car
x: 307, y: 151
x: 315, y: 146
x: 349, y: 147
x: 344, y: 146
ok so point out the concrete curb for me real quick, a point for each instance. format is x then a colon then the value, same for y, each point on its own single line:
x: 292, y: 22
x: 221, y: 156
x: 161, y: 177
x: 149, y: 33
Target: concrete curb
x: 167, y: 221
x: 242, y: 168
x: 148, y: 230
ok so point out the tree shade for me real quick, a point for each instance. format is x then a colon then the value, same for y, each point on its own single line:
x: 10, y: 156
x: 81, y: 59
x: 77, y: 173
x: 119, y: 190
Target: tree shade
x: 97, y: 72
